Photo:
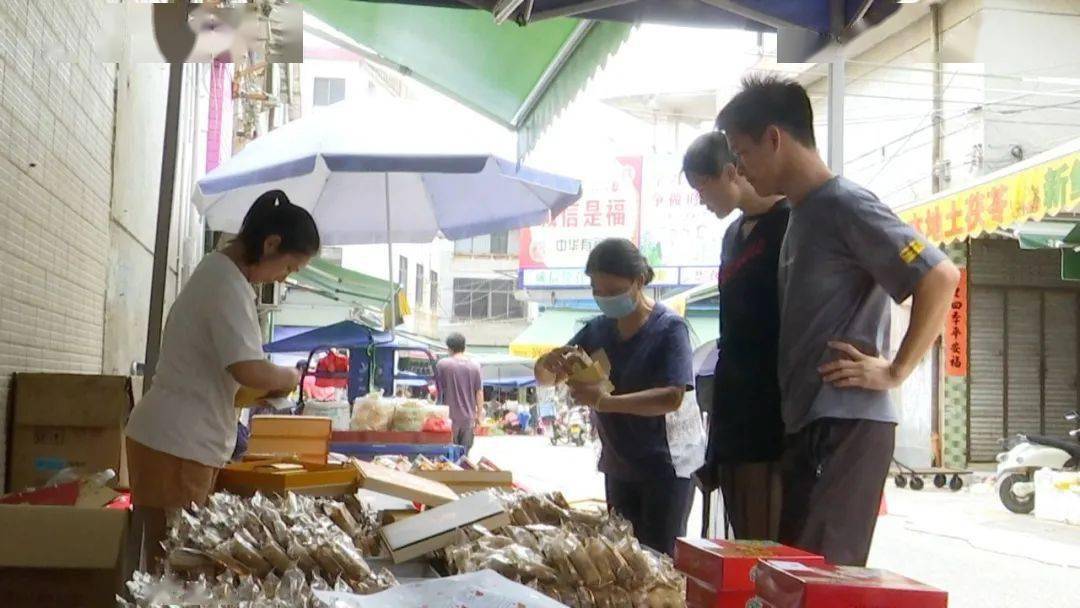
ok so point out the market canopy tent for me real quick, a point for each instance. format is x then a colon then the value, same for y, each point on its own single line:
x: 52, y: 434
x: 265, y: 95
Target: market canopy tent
x: 346, y: 334
x: 384, y: 171
x: 523, y: 77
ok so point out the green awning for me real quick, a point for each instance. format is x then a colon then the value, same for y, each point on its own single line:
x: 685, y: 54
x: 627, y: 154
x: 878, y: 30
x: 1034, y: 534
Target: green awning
x: 1048, y: 234
x: 338, y: 283
x: 552, y: 329
x: 703, y: 328
x: 521, y: 77
x: 1070, y: 265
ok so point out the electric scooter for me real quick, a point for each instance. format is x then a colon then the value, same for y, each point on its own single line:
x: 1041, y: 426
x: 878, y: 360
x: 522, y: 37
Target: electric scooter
x: 1029, y: 453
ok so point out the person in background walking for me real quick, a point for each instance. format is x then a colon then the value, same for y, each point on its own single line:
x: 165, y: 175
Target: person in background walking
x: 844, y: 256
x: 460, y: 387
x: 746, y: 432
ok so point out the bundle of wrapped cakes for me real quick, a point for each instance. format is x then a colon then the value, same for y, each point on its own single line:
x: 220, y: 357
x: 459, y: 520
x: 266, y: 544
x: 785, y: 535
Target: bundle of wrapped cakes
x: 584, y: 559
x: 265, y: 542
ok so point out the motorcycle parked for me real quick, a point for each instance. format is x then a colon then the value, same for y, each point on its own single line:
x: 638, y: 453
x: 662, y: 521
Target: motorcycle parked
x: 571, y: 427
x: 1028, y: 453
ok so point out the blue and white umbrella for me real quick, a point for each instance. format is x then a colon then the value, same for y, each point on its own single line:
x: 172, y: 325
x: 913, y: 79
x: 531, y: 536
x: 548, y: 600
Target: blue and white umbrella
x: 384, y: 172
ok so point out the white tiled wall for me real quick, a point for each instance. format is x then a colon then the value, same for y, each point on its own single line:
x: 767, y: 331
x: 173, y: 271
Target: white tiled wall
x: 56, y: 134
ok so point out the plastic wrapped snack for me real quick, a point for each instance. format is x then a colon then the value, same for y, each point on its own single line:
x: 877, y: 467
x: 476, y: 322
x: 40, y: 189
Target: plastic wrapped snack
x: 372, y: 413
x: 353, y: 565
x: 583, y: 564
x: 244, y: 553
x: 598, y: 553
x: 409, y: 417
x: 275, y: 555
x: 341, y: 516
x: 523, y: 537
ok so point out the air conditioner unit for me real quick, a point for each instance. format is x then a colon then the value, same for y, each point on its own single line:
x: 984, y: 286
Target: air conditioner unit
x: 270, y: 294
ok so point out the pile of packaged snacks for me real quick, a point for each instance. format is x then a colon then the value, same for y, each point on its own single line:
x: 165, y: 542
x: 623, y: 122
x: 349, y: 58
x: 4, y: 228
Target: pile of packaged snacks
x: 260, y: 537
x: 227, y: 590
x: 583, y: 559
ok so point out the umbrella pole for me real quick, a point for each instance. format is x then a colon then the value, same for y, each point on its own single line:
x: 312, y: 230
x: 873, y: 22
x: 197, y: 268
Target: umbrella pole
x: 390, y: 258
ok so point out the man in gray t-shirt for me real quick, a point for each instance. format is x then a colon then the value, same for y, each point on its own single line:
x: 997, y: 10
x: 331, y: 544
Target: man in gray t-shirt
x: 460, y: 387
x: 844, y: 256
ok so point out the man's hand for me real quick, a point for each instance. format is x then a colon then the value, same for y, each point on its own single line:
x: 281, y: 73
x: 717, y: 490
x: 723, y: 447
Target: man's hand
x: 588, y: 394
x: 860, y: 371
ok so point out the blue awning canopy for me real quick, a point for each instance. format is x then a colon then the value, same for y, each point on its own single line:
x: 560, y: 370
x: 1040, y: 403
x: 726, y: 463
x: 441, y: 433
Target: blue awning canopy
x: 346, y: 334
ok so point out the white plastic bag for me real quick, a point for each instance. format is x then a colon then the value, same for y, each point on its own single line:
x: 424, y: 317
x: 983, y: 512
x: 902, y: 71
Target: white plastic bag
x: 686, y: 437
x: 372, y: 413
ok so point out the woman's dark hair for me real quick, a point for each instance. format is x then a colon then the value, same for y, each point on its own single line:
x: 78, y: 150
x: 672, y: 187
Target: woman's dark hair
x: 708, y: 155
x: 621, y: 258
x: 273, y: 214
x: 767, y: 100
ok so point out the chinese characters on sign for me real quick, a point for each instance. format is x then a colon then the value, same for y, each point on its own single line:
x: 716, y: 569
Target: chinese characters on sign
x: 609, y: 207
x: 676, y: 229
x: 1031, y: 194
x: 956, y: 327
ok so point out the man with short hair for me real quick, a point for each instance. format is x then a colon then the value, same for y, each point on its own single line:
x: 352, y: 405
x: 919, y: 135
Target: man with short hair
x: 458, y: 380
x: 844, y: 255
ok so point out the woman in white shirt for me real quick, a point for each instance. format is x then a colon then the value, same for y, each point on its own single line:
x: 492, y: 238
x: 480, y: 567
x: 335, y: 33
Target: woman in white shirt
x: 184, y: 429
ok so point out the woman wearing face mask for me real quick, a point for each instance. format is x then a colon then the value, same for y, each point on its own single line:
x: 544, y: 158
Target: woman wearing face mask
x: 184, y: 429
x: 746, y: 432
x: 648, y: 346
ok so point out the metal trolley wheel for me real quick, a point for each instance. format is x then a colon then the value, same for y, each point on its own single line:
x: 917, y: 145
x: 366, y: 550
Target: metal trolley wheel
x: 916, y: 483
x: 956, y: 483
x: 940, y: 480
x: 900, y: 481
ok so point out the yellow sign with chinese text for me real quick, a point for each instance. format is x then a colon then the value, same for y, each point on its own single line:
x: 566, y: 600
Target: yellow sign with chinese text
x: 1032, y: 193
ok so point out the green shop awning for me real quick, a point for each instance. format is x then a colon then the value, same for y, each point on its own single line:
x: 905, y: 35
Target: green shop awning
x: 703, y: 328
x: 552, y: 329
x: 520, y: 77
x: 337, y: 283
x: 1048, y: 234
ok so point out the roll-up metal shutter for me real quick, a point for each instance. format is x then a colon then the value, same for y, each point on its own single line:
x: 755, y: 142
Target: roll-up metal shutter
x: 1062, y: 351
x: 987, y: 415
x: 1023, y: 361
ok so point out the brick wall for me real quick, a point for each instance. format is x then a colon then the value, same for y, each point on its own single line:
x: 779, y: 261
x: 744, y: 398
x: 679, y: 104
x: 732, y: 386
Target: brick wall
x: 56, y: 139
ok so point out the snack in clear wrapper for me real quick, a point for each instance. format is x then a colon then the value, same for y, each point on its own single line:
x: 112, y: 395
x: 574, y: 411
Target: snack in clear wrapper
x: 324, y: 556
x: 341, y: 516
x: 583, y: 564
x: 598, y: 555
x: 523, y: 537
x: 275, y: 555
x: 300, y: 555
x: 353, y: 565
x: 244, y: 553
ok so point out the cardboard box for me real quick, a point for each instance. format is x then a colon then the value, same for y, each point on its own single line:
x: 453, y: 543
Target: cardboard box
x: 725, y: 565
x: 436, y: 528
x: 785, y: 584
x: 55, y: 557
x: 306, y: 438
x: 246, y: 478
x: 67, y: 420
x: 395, y: 483
x: 464, y: 482
x: 702, y: 595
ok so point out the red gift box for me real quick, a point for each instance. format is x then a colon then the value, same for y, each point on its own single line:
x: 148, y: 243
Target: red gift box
x: 785, y: 584
x: 702, y: 595
x: 725, y: 565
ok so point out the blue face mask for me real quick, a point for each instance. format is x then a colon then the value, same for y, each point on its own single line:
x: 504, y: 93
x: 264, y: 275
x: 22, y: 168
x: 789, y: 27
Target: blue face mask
x: 617, y: 307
